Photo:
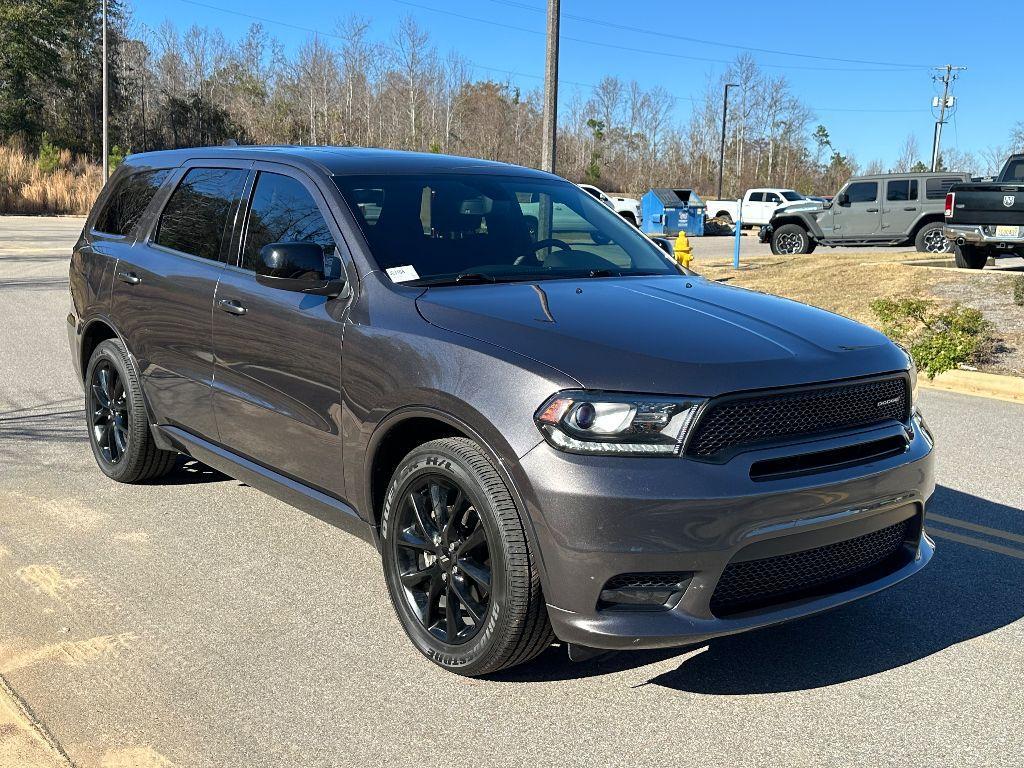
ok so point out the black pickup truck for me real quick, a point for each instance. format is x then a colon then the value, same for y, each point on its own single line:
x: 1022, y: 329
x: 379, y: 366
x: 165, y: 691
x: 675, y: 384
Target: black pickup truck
x: 986, y: 219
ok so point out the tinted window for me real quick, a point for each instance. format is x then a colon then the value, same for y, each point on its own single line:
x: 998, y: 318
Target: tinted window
x: 446, y: 225
x: 1014, y: 170
x: 591, y: 191
x: 195, y: 218
x: 129, y: 201
x: 863, y: 192
x: 771, y: 197
x: 757, y: 197
x: 902, y: 189
x: 936, y: 189
x: 282, y: 211
x: 791, y: 195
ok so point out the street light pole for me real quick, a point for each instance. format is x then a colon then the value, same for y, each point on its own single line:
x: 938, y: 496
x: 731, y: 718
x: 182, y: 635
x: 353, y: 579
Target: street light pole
x: 106, y: 151
x: 550, y: 116
x: 721, y: 153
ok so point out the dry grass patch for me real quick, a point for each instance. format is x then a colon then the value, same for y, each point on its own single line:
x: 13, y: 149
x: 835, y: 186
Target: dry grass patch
x: 69, y: 187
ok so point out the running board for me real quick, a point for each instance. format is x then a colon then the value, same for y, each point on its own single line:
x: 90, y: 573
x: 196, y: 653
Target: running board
x: 310, y: 500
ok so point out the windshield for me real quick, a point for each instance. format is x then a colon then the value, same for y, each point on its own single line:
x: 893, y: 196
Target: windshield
x: 791, y: 195
x: 448, y: 228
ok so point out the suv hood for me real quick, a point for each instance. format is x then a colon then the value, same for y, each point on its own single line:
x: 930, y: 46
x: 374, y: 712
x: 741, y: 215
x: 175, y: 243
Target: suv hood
x: 801, y: 206
x: 668, y: 335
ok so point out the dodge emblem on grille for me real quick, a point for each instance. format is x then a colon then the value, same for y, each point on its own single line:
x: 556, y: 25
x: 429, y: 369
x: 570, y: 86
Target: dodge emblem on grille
x: 890, y: 401
x: 1008, y: 200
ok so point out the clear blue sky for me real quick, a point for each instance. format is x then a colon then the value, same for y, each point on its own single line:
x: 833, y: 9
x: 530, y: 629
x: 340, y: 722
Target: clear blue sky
x: 868, y: 109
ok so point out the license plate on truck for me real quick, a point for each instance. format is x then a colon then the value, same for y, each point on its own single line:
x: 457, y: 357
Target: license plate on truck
x: 1007, y: 231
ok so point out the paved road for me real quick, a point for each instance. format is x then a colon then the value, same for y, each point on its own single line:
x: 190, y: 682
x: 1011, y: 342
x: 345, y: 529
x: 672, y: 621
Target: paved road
x: 200, y: 623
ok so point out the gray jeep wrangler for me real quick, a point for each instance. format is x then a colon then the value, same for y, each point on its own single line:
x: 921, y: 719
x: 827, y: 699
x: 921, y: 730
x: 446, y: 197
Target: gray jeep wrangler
x: 884, y: 209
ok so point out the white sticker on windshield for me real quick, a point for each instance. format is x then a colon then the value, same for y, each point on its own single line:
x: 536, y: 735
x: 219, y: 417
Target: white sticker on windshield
x: 402, y: 274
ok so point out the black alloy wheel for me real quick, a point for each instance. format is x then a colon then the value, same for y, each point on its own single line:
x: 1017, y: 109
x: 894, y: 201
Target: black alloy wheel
x: 117, y: 420
x: 458, y: 564
x: 108, y: 412
x: 444, y: 559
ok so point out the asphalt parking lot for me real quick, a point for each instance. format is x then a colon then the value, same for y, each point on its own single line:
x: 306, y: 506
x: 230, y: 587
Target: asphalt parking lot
x: 197, y: 622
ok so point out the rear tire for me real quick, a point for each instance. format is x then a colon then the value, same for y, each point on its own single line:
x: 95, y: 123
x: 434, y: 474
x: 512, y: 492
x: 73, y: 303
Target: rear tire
x: 791, y: 239
x: 724, y: 216
x: 115, y: 414
x: 930, y: 239
x: 970, y: 257
x: 629, y: 217
x: 450, y: 531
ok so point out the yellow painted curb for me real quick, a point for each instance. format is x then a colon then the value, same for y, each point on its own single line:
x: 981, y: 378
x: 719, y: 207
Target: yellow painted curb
x: 992, y: 385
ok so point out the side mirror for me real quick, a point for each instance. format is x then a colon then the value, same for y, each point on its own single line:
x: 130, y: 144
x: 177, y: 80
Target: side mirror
x: 843, y: 199
x: 666, y: 245
x: 302, y: 267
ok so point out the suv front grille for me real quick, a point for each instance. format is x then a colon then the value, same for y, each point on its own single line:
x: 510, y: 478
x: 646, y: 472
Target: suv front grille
x: 758, y: 418
x: 753, y: 584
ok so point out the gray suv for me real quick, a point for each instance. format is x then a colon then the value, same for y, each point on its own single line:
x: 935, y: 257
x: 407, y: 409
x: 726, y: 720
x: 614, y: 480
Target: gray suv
x: 545, y: 427
x: 886, y: 209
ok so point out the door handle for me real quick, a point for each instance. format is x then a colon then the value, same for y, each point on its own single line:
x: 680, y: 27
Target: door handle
x: 910, y: 208
x: 231, y: 306
x: 129, y: 277
x: 871, y: 210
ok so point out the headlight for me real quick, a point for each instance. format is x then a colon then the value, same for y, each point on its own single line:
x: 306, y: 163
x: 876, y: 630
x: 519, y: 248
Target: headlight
x: 913, y: 385
x: 614, y: 424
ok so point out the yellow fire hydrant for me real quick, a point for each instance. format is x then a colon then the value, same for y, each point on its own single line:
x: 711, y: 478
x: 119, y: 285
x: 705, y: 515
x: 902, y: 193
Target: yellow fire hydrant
x: 683, y: 252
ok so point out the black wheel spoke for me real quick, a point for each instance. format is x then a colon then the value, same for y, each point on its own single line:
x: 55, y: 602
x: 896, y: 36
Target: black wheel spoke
x: 476, y: 537
x: 439, y: 504
x: 422, y: 516
x: 409, y: 537
x: 100, y: 396
x: 414, y: 578
x: 478, y: 573
x: 452, y: 617
x: 473, y: 608
x: 431, y: 613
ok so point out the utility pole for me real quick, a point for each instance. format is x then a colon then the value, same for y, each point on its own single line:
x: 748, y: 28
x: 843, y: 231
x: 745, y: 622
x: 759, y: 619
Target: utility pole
x: 721, y: 153
x: 950, y: 74
x: 550, y: 116
x: 106, y: 151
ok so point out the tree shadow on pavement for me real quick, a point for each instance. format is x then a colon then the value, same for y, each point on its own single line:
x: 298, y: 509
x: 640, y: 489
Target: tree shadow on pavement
x: 965, y: 591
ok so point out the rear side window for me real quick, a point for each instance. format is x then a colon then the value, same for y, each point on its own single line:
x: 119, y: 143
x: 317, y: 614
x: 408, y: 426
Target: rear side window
x: 195, y: 218
x: 1014, y: 170
x: 901, y: 189
x: 282, y: 211
x: 863, y: 192
x: 936, y: 188
x: 128, y: 202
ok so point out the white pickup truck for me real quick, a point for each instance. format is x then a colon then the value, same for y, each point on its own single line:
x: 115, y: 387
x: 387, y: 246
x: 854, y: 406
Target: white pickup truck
x: 627, y: 207
x: 756, y: 208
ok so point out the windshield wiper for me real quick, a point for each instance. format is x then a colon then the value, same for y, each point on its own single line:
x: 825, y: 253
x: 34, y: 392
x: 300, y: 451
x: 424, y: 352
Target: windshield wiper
x: 467, y: 278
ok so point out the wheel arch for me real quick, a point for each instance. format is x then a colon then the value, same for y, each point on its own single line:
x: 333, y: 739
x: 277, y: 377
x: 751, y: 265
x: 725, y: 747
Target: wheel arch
x: 780, y: 221
x: 96, y: 331
x: 924, y: 220
x: 407, y: 427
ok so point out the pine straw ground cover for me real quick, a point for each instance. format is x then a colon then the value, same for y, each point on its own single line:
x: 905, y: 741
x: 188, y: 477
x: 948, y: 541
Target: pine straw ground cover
x: 848, y: 283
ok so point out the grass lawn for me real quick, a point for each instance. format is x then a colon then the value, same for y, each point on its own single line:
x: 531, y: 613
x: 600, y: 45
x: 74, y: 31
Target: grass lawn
x: 847, y: 283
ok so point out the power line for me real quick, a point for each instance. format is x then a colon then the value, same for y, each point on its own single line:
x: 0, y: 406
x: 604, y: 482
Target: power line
x: 487, y: 68
x: 673, y: 36
x: 632, y: 49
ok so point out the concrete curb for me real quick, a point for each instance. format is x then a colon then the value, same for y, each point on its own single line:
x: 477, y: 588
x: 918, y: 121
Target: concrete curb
x: 991, y: 385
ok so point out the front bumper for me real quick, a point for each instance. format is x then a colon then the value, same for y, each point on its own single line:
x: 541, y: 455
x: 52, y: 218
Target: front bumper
x: 980, y: 234
x: 599, y: 517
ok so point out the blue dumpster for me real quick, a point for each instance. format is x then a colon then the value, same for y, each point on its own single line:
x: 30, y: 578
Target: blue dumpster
x: 671, y: 211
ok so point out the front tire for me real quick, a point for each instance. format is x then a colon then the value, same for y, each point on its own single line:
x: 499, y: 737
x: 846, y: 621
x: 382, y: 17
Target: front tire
x: 458, y: 566
x: 115, y: 414
x: 791, y: 239
x: 970, y: 257
x: 931, y: 239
